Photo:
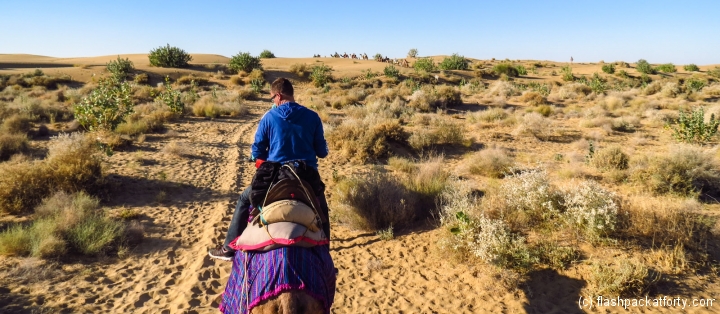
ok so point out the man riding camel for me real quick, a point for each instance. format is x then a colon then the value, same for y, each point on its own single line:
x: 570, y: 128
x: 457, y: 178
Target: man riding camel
x: 287, y: 132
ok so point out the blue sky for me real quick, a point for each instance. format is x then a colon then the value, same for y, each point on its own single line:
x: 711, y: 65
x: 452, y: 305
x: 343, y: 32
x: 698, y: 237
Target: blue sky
x: 659, y: 31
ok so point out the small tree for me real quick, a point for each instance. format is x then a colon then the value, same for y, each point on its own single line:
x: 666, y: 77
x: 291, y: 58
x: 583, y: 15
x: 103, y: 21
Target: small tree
x: 391, y: 71
x: 505, y: 68
x: 120, y: 68
x: 692, y: 68
x: 667, y: 68
x: 169, y: 57
x: 243, y: 61
x: 320, y: 75
x: 412, y: 53
x: 454, y: 62
x: 106, y: 106
x: 608, y: 68
x: 425, y: 64
x: 267, y: 54
x: 644, y: 67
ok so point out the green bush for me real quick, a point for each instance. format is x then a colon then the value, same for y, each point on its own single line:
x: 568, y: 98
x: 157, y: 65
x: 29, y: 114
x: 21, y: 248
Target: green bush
x: 267, y: 54
x: 644, y: 67
x: 691, y: 68
x: 243, y: 61
x: 454, y: 62
x: 692, y: 128
x: 667, y: 68
x: 425, y: 64
x: 412, y: 53
x: 171, y: 98
x: 608, y: 68
x: 391, y: 71
x: 694, y: 84
x: 120, y: 68
x: 505, y: 68
x: 169, y: 57
x: 521, y: 70
x: 106, y: 106
x: 567, y: 74
x: 320, y: 75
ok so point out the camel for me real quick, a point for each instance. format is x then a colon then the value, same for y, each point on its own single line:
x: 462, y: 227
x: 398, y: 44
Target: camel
x: 345, y: 55
x: 364, y: 56
x: 353, y: 56
x: 292, y: 302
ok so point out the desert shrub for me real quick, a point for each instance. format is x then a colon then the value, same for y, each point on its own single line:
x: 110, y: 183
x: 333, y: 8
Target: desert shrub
x: 664, y: 223
x: 430, y: 98
x: 171, y: 98
x: 529, y: 198
x: 695, y: 84
x: 610, y: 158
x: 444, y: 132
x: 692, y: 127
x: 376, y: 201
x: 534, y: 124
x: 320, y: 75
x: 505, y: 68
x: 567, y: 74
x: 146, y: 118
x: 402, y: 164
x: 667, y: 68
x: 591, y: 210
x: 670, y: 89
x: 120, y: 68
x: 66, y: 223
x: 622, y: 277
x: 714, y: 72
x: 625, y: 124
x: 191, y: 80
x: 141, y: 78
x: 427, y: 182
x: 686, y: 171
x: 299, y: 69
x: 492, y: 115
x: 475, y: 235
x: 245, y: 62
x: 608, y: 68
x: 176, y: 149
x: 425, y: 65
x: 491, y: 162
x: 365, y: 139
x: 266, y: 54
x: 553, y: 255
x: 72, y: 165
x: 169, y: 57
x: 533, y: 98
x: 644, y: 67
x: 521, y: 70
x: 412, y: 53
x: 11, y: 144
x: 573, y: 91
x: 105, y: 107
x: 16, y: 123
x: 213, y: 107
x: 691, y: 68
x: 454, y: 62
x: 391, y: 71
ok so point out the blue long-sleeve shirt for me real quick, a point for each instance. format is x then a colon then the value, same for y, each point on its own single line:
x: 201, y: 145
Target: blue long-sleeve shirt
x: 290, y: 132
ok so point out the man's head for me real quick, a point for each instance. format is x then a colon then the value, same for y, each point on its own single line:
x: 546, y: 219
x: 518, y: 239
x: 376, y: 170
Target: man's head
x: 281, y: 89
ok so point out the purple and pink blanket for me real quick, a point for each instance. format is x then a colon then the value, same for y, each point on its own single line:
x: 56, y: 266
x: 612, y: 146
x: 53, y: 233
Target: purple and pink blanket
x: 273, y: 272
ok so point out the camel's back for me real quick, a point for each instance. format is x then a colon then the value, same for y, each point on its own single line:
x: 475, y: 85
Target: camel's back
x: 290, y: 302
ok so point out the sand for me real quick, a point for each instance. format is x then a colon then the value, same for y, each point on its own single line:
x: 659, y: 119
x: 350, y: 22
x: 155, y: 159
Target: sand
x: 186, y: 204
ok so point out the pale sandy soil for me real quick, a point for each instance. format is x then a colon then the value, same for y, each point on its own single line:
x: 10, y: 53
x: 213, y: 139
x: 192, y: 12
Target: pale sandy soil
x: 170, y: 272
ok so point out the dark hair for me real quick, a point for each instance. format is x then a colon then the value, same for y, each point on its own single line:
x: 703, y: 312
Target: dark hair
x: 282, y: 86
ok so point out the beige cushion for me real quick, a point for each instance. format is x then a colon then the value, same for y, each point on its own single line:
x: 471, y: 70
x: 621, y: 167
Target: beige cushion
x: 279, y: 234
x: 290, y: 211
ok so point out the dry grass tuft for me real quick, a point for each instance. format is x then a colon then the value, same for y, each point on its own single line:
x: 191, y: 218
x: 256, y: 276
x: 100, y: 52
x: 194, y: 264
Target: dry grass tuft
x: 610, y: 158
x: 11, y: 144
x: 176, y: 149
x: 491, y: 162
x: 367, y: 139
x: 624, y: 277
x: 441, y: 132
x: 685, y: 171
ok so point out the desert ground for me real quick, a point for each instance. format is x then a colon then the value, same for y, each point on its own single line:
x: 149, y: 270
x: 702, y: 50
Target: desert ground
x: 178, y: 183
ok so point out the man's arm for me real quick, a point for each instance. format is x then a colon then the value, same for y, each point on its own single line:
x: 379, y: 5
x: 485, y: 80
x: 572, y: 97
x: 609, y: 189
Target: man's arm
x: 319, y: 143
x: 262, y: 141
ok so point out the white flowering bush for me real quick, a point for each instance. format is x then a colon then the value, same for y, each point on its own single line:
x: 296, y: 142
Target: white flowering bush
x: 487, y: 239
x: 530, y: 193
x: 591, y: 209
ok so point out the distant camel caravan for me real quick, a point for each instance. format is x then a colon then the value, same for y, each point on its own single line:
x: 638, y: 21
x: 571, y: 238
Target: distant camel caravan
x: 379, y: 58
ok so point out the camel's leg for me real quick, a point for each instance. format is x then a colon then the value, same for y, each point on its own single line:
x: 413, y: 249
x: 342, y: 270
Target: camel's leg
x: 290, y: 302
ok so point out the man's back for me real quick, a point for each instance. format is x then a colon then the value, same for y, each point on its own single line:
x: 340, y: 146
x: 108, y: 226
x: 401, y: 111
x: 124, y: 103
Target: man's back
x: 290, y: 132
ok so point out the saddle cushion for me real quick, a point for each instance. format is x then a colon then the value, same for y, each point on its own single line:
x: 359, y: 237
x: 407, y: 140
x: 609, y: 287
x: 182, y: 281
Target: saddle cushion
x: 290, y: 211
x: 275, y: 235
